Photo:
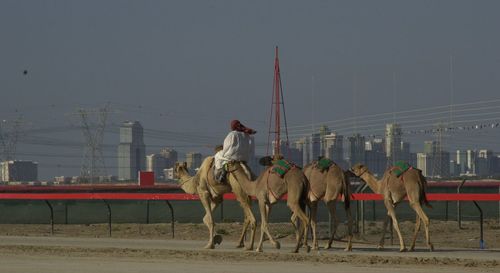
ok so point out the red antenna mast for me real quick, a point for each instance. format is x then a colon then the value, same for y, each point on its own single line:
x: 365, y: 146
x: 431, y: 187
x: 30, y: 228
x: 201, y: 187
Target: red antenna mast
x: 277, y: 103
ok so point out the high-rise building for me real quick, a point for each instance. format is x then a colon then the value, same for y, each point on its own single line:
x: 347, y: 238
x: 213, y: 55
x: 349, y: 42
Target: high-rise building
x: 156, y: 163
x: 393, y: 134
x: 425, y: 163
x: 292, y: 153
x: 334, y: 146
x: 170, y: 155
x: 375, y: 157
x: 131, y: 150
x: 471, y: 162
x: 314, y: 147
x: 405, y: 151
x: 18, y: 171
x: 303, y: 148
x: 484, y: 163
x: 356, y: 150
x: 430, y: 147
x: 193, y: 161
x: 323, y: 131
x: 461, y: 161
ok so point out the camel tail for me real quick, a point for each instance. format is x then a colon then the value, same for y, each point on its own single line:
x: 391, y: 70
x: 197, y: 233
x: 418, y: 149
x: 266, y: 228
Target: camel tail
x: 346, y: 191
x: 303, y: 194
x: 423, y: 186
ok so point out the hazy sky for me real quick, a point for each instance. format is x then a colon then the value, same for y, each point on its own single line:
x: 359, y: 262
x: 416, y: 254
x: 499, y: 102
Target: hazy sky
x: 186, y: 68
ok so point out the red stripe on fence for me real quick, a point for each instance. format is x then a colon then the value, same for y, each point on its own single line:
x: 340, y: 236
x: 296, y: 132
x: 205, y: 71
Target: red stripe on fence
x: 230, y: 196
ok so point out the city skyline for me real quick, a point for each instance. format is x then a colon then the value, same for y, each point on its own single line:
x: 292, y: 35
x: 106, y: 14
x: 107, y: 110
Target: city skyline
x: 185, y: 69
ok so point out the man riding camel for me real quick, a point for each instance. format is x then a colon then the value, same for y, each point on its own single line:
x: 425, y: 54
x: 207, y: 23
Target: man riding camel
x: 239, y: 145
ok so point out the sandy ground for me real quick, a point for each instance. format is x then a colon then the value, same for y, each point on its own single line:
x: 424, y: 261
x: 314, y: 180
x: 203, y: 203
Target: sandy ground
x: 150, y: 248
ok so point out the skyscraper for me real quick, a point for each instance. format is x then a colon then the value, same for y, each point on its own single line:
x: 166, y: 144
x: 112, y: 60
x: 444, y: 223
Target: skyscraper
x: 156, y: 163
x: 170, y: 155
x: 131, y: 150
x: 375, y: 156
x: 334, y: 147
x: 193, y: 161
x: 393, y: 134
x: 356, y: 149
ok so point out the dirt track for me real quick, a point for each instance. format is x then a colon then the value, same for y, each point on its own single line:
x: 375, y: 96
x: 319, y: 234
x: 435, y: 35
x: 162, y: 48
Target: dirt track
x: 141, y: 248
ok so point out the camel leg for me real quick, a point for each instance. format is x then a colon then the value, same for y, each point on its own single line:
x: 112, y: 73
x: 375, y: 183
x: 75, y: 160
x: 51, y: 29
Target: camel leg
x: 241, y: 240
x: 252, y: 222
x: 296, y: 210
x: 391, y: 211
x: 349, y: 229
x: 264, y: 213
x: 208, y: 218
x: 314, y: 219
x: 415, y: 233
x: 246, y: 203
x: 384, y: 230
x: 425, y: 219
x: 333, y: 217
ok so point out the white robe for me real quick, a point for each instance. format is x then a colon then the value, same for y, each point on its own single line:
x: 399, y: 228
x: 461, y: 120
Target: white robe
x: 237, y: 146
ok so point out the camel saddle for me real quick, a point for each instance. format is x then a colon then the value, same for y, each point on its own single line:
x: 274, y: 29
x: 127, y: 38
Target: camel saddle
x: 281, y: 167
x: 323, y: 164
x: 400, y: 168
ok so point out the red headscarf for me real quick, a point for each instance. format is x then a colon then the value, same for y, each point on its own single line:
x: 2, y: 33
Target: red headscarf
x: 237, y: 126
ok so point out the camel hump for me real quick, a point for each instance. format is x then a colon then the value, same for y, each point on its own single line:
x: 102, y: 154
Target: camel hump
x: 399, y: 168
x: 281, y: 167
x: 324, y: 164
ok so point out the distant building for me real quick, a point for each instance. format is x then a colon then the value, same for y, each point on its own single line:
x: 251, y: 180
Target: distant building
x: 170, y: 155
x: 18, y: 171
x: 131, y: 151
x: 461, y: 161
x: 393, y: 134
x: 168, y: 173
x: 303, y: 146
x: 425, y: 163
x: 334, y: 145
x: 405, y: 151
x: 314, y: 144
x: 484, y: 163
x: 62, y: 179
x: 356, y: 149
x: 193, y: 161
x: 156, y: 163
x: 454, y: 168
x: 291, y: 153
x: 323, y: 132
x: 470, y: 162
x: 375, y: 156
x: 440, y: 167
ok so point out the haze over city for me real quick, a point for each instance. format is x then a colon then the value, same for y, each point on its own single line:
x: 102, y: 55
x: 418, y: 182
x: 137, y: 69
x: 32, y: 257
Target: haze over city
x: 185, y: 69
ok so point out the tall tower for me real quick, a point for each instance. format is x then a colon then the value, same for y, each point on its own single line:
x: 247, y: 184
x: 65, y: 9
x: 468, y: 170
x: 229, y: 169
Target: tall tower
x: 356, y: 149
x: 131, y: 150
x: 171, y: 156
x: 334, y: 145
x: 277, y: 106
x: 93, y: 164
x: 393, y: 134
x: 193, y: 161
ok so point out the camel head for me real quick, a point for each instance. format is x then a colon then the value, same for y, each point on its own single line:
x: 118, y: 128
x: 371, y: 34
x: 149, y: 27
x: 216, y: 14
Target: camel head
x: 180, y: 168
x: 358, y: 169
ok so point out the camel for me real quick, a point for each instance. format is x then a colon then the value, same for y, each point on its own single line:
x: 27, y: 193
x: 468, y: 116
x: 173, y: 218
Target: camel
x: 268, y: 188
x: 211, y: 195
x: 394, y: 189
x: 328, y: 185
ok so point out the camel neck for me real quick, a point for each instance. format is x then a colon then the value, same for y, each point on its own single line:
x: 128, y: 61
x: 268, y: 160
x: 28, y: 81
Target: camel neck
x: 372, y: 182
x: 246, y: 184
x: 188, y: 183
